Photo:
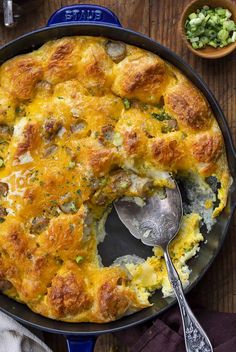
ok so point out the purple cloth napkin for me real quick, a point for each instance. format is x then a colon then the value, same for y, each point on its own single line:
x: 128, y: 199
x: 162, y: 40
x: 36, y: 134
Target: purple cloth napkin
x: 166, y: 334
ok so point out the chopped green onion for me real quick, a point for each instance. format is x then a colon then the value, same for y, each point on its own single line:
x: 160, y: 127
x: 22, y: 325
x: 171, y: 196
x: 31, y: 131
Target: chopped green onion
x: 103, y: 181
x: 73, y: 207
x: 233, y: 37
x: 223, y: 35
x: 161, y: 116
x: 1, y: 162
x: 228, y: 13
x: 212, y: 43
x: 117, y: 139
x: 192, y: 16
x: 229, y: 25
x: 79, y: 258
x: 210, y: 26
x: 220, y: 11
x: 71, y: 165
x: 126, y: 103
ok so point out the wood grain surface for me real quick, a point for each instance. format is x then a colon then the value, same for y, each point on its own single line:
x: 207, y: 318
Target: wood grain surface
x: 159, y: 19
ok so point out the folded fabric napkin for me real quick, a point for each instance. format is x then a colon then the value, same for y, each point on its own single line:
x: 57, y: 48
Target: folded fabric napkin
x: 15, y: 338
x: 166, y: 334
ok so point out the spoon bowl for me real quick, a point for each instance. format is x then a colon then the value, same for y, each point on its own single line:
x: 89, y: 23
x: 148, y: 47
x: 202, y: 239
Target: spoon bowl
x: 155, y: 223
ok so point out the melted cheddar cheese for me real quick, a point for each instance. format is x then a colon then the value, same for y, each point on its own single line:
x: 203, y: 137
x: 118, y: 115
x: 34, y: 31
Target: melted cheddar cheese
x: 84, y: 121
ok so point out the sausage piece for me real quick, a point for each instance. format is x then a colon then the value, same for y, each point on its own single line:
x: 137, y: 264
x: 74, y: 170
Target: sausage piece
x: 3, y: 189
x: 116, y: 50
x: 39, y: 224
x: 5, y: 285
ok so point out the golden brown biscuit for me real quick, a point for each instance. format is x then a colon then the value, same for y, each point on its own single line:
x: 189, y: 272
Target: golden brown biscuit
x: 19, y: 77
x: 189, y: 107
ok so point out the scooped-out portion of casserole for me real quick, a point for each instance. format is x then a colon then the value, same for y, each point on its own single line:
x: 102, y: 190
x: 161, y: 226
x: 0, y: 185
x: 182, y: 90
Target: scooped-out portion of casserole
x: 83, y: 122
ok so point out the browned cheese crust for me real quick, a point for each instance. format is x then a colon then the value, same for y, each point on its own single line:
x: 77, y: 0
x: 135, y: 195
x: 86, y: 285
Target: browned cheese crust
x: 84, y: 121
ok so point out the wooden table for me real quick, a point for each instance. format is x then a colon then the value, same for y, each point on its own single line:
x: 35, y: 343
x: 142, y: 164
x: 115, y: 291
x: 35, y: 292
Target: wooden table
x: 159, y: 19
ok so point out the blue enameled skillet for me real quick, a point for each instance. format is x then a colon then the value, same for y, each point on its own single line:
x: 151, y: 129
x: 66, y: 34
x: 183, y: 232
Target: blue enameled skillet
x: 98, y: 21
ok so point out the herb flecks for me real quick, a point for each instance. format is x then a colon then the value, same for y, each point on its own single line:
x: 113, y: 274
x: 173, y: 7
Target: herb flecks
x: 127, y: 103
x: 79, y: 259
x: 1, y: 162
x: 161, y: 116
x: 71, y: 165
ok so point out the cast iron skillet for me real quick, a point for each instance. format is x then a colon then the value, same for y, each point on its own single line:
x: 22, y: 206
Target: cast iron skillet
x: 99, y: 21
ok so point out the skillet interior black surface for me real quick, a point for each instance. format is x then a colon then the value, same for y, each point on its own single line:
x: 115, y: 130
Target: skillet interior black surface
x: 119, y: 240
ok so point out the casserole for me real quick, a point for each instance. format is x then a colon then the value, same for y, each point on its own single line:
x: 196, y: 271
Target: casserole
x: 128, y: 36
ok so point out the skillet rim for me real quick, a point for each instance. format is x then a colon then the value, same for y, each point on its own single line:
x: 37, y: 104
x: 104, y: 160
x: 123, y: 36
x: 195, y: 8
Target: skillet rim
x: 188, y: 71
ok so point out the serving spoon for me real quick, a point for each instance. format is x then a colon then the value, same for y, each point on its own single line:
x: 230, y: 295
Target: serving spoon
x: 156, y: 223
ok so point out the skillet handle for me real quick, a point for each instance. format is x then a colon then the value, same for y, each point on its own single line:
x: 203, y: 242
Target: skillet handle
x: 80, y: 344
x: 91, y: 14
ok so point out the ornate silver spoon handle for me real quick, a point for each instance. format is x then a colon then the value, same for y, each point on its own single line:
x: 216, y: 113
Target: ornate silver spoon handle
x: 195, y: 337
